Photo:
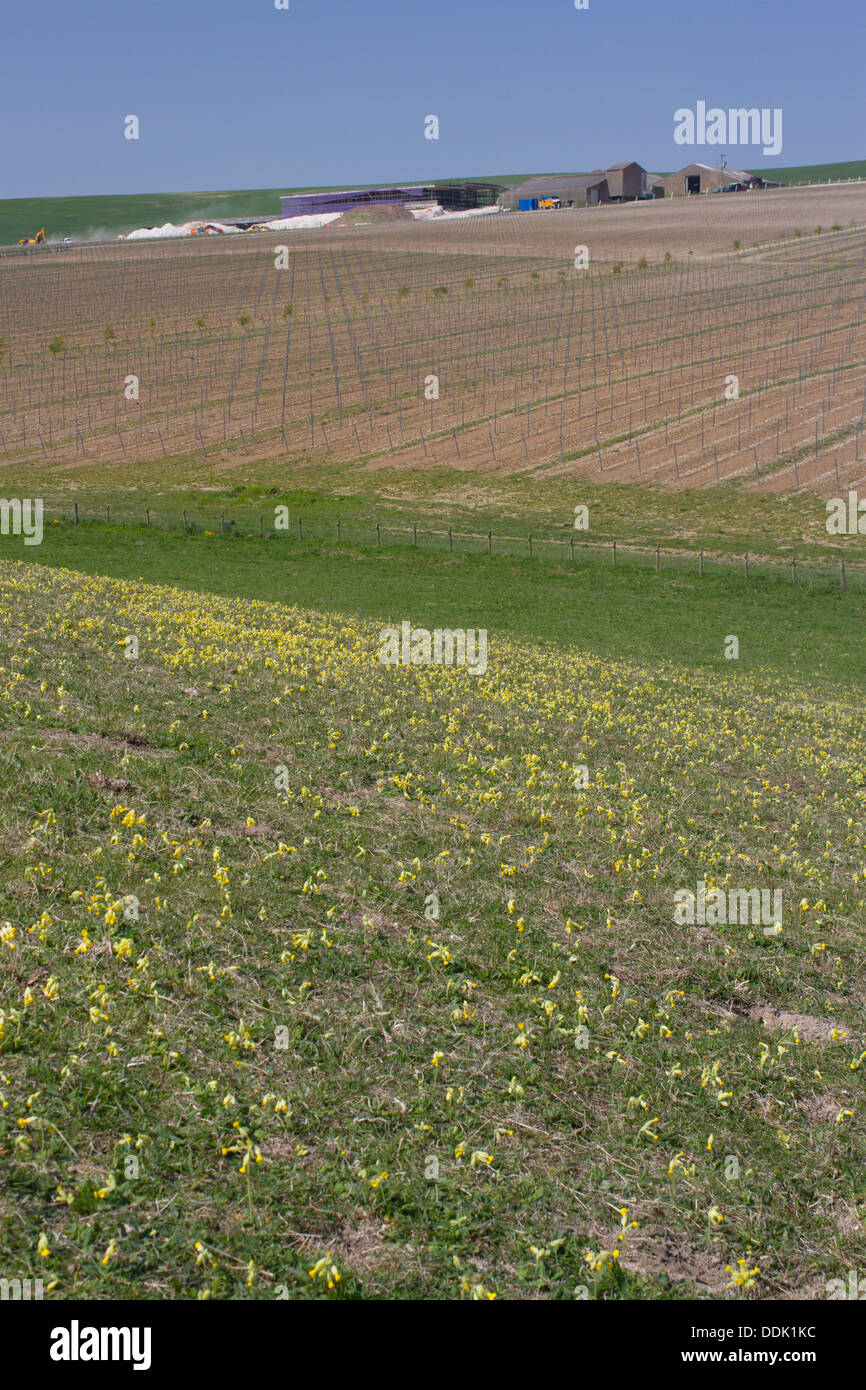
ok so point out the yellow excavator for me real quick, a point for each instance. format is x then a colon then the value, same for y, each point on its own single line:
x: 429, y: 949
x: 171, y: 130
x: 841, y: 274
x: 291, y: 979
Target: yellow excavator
x: 33, y: 240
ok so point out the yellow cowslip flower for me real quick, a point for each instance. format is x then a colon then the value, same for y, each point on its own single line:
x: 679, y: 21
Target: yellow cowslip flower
x: 742, y: 1277
x: 600, y: 1260
x: 477, y: 1292
x: 327, y: 1270
x: 676, y: 1165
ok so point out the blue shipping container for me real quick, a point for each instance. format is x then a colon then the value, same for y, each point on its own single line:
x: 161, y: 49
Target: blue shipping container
x: 527, y: 205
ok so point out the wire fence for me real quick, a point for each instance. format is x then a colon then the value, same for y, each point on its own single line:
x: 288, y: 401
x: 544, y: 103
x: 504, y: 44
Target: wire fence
x: 575, y: 547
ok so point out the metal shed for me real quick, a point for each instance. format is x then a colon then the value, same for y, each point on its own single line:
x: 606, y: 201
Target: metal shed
x: 455, y: 196
x: 626, y: 181
x: 572, y: 190
x: 703, y: 178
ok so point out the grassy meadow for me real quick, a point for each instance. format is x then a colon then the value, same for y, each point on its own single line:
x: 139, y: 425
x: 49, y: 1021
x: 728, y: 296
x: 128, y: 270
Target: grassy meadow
x: 329, y: 979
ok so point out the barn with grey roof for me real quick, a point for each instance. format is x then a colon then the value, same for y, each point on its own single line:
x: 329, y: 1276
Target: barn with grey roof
x: 618, y: 183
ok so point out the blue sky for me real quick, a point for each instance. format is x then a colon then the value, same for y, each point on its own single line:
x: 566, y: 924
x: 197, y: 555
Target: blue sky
x: 236, y: 94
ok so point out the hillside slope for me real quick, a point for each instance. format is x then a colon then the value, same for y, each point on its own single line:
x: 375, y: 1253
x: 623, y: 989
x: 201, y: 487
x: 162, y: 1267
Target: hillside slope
x: 315, y: 966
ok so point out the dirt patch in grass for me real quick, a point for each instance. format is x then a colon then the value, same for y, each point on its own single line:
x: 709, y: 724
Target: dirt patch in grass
x: 358, y: 1245
x: 111, y: 784
x: 650, y: 1256
x: 362, y: 1245
x: 820, y: 1109
x: 847, y: 1219
x: 87, y: 741
x: 807, y: 1026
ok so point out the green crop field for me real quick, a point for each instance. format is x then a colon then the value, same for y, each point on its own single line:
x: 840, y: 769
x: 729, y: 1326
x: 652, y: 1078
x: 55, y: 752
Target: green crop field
x: 101, y: 217
x: 817, y: 173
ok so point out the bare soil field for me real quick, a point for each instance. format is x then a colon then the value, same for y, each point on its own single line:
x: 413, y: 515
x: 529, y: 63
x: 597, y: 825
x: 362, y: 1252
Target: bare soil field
x: 709, y: 340
x: 698, y: 226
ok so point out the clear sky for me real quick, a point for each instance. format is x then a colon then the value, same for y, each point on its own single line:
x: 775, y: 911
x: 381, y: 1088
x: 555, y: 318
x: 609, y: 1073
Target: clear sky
x: 237, y: 94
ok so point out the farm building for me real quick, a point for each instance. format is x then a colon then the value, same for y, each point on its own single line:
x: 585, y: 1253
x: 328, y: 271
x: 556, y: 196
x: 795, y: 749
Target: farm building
x: 456, y: 197
x: 626, y: 181
x: 569, y: 190
x: 619, y: 183
x: 704, y: 178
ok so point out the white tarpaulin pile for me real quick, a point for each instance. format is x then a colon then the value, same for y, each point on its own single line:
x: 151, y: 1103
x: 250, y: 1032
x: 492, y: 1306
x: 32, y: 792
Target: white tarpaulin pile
x: 280, y: 224
x: 307, y: 223
x: 438, y: 214
x: 168, y: 229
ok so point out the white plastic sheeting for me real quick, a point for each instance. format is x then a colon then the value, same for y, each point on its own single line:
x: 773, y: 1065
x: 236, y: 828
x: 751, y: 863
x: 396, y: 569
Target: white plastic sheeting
x: 438, y: 214
x: 309, y: 222
x: 429, y: 212
x: 168, y: 229
x: 280, y: 224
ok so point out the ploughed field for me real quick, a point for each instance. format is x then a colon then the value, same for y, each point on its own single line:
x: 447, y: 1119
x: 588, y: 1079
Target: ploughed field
x: 475, y: 345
